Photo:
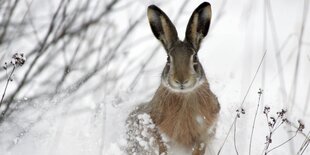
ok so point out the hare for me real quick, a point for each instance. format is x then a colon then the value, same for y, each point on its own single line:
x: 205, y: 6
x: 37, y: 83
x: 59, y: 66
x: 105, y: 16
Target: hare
x: 183, y: 110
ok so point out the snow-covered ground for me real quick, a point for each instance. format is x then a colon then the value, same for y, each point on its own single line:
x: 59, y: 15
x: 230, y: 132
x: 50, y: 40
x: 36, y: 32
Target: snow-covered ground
x: 240, y: 34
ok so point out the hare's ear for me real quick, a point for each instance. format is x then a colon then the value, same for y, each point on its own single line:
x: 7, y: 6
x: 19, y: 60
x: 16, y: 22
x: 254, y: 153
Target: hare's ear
x: 198, y: 25
x: 162, y: 27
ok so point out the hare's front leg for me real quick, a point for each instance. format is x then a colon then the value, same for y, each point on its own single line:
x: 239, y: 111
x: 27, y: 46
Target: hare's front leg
x: 161, y: 145
x: 162, y: 149
x: 199, y: 148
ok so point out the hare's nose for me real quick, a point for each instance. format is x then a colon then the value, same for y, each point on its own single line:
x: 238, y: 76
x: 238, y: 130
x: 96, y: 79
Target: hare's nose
x: 182, y: 82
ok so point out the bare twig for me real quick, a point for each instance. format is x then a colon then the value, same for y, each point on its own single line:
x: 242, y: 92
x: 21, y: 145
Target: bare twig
x: 7, y: 22
x: 16, y: 61
x: 56, y: 32
x: 235, y: 139
x: 282, y: 143
x: 39, y: 54
x: 299, y: 129
x: 304, y: 145
x: 226, y: 137
x: 274, y: 124
x: 6, y: 85
x: 260, y: 92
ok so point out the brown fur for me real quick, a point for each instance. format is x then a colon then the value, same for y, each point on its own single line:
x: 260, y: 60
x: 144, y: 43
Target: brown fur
x: 175, y: 113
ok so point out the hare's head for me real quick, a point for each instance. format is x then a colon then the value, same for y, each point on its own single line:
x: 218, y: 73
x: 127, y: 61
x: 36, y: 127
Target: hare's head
x: 183, y: 70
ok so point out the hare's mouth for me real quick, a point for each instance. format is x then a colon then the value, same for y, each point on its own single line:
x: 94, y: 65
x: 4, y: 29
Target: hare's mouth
x: 179, y: 87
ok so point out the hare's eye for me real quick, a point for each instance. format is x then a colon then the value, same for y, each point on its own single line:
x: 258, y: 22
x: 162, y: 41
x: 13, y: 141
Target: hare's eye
x: 195, y: 59
x: 168, y: 60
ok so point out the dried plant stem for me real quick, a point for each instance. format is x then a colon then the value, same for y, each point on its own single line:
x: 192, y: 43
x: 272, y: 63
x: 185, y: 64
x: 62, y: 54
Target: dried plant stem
x: 268, y: 138
x: 6, y: 85
x: 274, y: 124
x: 277, y: 126
x: 235, y: 140
x: 304, y: 145
x: 259, y: 99
x: 258, y: 68
x: 227, y: 136
x: 283, y: 143
x: 267, y: 144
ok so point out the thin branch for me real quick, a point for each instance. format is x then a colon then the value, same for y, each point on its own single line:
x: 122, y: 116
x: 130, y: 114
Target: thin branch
x: 258, y: 68
x: 40, y: 52
x: 222, y: 146
x: 235, y: 139
x: 5, y: 27
x: 6, y: 85
x: 253, y: 126
x: 283, y: 143
x: 304, y: 144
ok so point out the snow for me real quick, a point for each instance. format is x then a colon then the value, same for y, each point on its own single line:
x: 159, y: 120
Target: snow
x: 199, y: 119
x: 94, y: 123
